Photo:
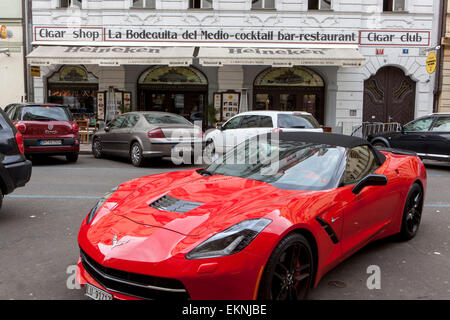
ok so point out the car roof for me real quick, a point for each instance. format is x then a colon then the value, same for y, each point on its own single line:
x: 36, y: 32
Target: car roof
x: 331, y: 139
x: 271, y: 112
x: 32, y: 104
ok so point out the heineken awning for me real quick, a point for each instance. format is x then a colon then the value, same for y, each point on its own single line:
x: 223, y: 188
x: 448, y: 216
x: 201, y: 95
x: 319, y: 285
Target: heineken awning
x: 281, y: 57
x: 111, y: 56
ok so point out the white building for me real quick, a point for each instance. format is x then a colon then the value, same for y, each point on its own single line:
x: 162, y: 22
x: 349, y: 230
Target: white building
x: 346, y: 61
x: 11, y: 53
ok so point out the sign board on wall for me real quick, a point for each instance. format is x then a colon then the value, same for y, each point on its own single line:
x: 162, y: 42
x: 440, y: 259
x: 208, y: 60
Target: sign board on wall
x: 101, y: 106
x: 431, y: 62
x: 279, y: 36
x: 35, y: 71
x: 230, y: 105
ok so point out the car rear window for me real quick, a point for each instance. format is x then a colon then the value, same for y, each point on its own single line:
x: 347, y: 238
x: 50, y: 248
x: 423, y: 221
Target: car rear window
x: 165, y: 118
x: 297, y: 120
x: 44, y: 113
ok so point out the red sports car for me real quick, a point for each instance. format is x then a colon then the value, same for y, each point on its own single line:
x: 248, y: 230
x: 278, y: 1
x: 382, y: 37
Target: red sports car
x: 266, y: 221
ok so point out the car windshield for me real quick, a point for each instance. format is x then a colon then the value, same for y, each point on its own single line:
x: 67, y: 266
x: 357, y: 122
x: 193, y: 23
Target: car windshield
x: 44, y: 113
x: 297, y: 120
x: 165, y: 118
x: 290, y: 165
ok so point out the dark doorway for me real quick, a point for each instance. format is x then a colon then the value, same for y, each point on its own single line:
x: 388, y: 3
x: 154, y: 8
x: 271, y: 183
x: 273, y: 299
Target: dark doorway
x: 389, y: 96
x: 290, y: 89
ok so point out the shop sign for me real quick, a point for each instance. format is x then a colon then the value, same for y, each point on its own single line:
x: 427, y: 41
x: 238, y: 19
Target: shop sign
x: 431, y: 62
x: 35, y: 71
x: 101, y: 106
x: 394, y: 38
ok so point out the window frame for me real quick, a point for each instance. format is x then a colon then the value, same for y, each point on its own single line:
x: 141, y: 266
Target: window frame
x: 419, y: 119
x: 319, y: 2
x: 263, y: 6
x: 192, y: 2
x: 435, y: 121
x: 70, y: 4
x: 144, y: 5
x: 240, y: 117
x: 392, y: 3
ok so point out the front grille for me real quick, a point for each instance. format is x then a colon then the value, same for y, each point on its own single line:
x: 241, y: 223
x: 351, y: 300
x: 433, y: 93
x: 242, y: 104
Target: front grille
x: 171, y: 204
x: 134, y: 284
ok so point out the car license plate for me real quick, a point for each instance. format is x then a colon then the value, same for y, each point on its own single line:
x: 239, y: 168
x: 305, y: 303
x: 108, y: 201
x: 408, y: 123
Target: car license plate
x: 96, y: 293
x: 51, y: 142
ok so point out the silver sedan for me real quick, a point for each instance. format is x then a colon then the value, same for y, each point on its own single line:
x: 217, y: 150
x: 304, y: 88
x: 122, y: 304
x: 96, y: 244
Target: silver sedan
x: 143, y: 135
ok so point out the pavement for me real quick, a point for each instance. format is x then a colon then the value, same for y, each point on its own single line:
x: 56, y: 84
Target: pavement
x: 39, y: 225
x: 85, y: 148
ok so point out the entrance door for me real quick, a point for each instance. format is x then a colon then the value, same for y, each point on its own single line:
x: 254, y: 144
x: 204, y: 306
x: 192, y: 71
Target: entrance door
x: 389, y: 96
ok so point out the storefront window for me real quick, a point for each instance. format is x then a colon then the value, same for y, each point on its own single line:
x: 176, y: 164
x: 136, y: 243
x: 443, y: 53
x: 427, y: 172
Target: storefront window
x: 75, y: 87
x: 394, y: 5
x: 296, y: 76
x: 264, y: 101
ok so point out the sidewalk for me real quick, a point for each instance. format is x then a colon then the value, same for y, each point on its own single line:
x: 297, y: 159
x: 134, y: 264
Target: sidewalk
x: 85, y: 148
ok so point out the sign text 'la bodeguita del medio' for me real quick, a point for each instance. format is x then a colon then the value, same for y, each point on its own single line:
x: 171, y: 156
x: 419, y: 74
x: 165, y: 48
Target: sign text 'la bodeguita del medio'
x: 294, y: 36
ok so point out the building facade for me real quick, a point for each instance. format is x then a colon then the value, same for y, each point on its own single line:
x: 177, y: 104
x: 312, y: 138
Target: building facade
x: 11, y: 53
x: 345, y: 61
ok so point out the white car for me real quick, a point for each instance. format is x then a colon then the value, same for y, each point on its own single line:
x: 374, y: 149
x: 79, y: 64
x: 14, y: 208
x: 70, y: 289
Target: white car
x: 249, y: 124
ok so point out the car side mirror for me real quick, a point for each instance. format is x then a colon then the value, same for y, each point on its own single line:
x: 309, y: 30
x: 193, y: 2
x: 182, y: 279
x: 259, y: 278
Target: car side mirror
x: 107, y: 129
x: 219, y: 127
x: 402, y: 129
x: 370, y: 180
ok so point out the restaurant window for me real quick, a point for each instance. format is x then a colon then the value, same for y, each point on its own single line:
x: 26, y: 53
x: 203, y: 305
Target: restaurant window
x: 319, y: 4
x: 75, y: 87
x: 200, y: 4
x: 263, y: 4
x: 149, y: 4
x: 394, y: 5
x: 69, y: 3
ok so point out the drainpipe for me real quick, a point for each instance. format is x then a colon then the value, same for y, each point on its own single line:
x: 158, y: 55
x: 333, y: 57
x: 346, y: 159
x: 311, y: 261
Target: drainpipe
x: 440, y: 56
x: 24, y: 40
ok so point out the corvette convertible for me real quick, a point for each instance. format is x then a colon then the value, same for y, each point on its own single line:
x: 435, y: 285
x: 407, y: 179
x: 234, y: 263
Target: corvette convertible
x: 265, y: 221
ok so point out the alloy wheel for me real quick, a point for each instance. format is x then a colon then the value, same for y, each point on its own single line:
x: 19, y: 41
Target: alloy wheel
x: 292, y: 274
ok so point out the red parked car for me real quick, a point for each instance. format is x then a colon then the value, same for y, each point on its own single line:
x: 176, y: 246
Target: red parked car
x: 266, y: 227
x: 47, y: 129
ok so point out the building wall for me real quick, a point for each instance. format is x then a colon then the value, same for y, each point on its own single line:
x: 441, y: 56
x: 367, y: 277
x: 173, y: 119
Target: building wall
x: 444, y: 100
x: 11, y: 67
x: 344, y: 85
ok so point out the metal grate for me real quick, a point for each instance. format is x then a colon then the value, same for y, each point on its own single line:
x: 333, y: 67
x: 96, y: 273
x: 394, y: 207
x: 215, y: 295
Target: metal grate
x: 171, y: 204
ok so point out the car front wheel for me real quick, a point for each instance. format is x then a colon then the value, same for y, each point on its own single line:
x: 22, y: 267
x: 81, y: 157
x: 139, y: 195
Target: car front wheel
x: 97, y: 148
x: 289, y: 272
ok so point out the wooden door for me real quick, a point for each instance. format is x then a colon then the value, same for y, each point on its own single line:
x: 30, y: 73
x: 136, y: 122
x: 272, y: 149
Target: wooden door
x: 389, y: 96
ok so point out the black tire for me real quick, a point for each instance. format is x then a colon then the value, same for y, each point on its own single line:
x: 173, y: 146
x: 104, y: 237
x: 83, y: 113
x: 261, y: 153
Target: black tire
x: 379, y: 144
x: 292, y: 282
x: 72, y: 157
x: 136, y: 156
x: 97, y: 148
x: 412, y: 213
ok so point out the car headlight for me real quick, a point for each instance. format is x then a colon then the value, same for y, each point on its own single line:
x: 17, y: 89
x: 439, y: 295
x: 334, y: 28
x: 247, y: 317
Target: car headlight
x: 98, y: 205
x: 229, y: 241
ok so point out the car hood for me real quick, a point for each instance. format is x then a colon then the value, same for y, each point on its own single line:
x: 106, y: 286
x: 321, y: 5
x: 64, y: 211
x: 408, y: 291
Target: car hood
x: 221, y: 201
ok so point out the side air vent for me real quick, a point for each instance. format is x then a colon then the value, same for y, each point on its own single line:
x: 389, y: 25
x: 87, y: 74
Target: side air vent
x: 328, y: 229
x: 168, y: 203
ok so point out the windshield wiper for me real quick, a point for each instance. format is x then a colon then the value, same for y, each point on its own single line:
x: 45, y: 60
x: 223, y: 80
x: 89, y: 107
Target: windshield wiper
x: 204, y: 172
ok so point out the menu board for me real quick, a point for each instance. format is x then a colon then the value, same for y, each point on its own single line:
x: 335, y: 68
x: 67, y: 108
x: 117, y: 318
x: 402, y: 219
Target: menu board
x: 217, y: 105
x: 101, y: 106
x: 127, y: 100
x: 230, y: 105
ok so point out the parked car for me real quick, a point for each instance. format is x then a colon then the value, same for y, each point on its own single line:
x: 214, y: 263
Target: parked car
x: 143, y: 135
x: 15, y: 170
x: 249, y: 124
x: 428, y: 136
x: 47, y: 129
x: 249, y: 230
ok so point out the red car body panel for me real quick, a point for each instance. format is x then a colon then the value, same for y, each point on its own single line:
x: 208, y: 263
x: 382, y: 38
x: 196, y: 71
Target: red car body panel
x: 156, y: 242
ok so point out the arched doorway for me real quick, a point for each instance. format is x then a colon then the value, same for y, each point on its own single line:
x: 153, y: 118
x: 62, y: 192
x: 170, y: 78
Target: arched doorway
x: 74, y: 86
x: 290, y: 89
x: 389, y: 96
x: 180, y: 90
